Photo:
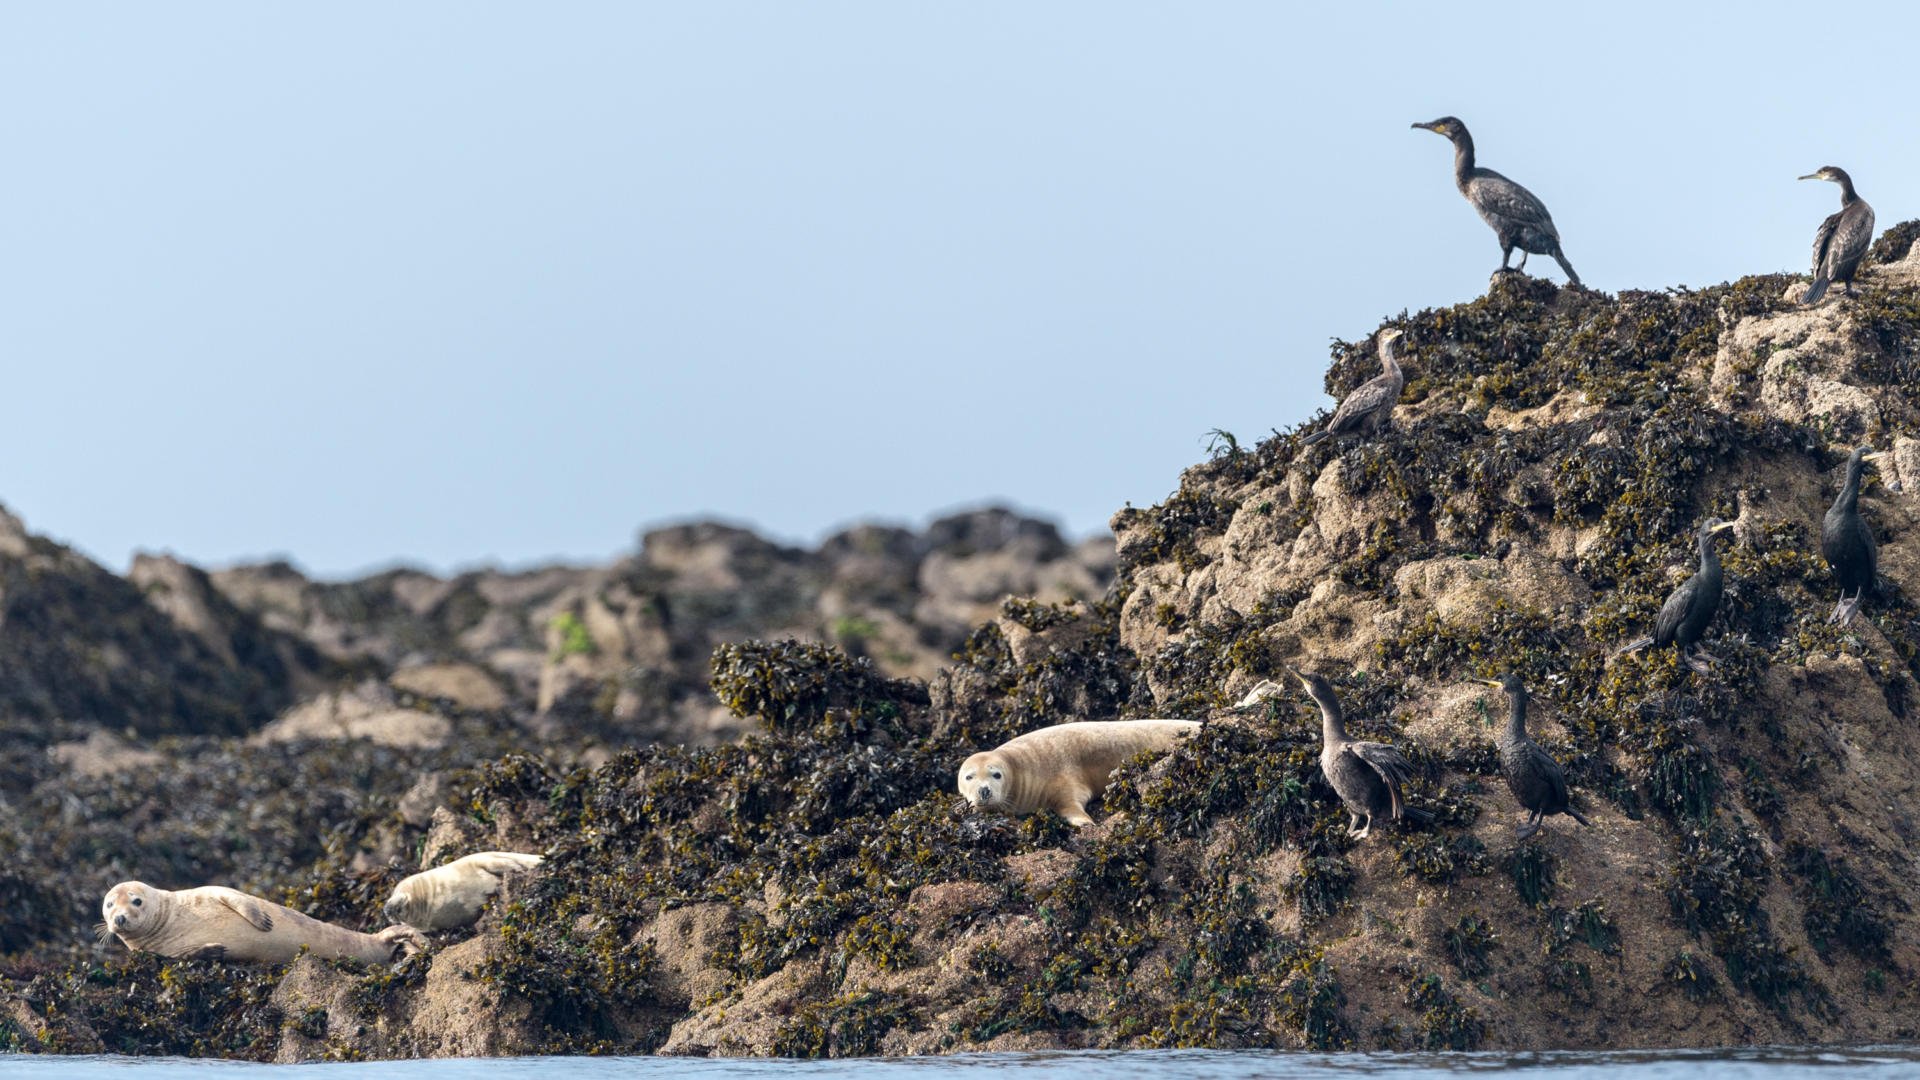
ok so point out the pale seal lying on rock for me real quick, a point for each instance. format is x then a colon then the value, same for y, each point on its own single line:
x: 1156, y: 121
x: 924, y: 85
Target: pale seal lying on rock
x: 1061, y: 767
x: 217, y: 923
x: 451, y: 894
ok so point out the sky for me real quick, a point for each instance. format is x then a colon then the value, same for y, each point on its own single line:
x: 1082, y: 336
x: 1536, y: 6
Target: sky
x: 465, y: 283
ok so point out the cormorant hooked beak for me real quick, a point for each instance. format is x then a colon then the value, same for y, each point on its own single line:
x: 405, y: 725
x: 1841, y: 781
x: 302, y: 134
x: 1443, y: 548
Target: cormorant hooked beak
x: 1877, y: 456
x: 1295, y: 672
x: 1821, y: 175
x: 1722, y: 527
x: 1492, y: 682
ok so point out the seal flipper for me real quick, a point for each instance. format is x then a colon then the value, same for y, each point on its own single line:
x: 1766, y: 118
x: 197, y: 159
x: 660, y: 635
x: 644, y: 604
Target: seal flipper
x: 501, y: 863
x: 402, y: 940
x: 256, y: 913
x: 1072, y: 805
x: 205, y: 952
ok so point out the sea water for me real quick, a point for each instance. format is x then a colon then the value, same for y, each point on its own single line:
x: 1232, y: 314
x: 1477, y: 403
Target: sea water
x: 1774, y: 1063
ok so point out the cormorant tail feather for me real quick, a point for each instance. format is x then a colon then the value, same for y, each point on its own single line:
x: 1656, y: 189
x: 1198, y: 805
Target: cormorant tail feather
x: 1572, y: 278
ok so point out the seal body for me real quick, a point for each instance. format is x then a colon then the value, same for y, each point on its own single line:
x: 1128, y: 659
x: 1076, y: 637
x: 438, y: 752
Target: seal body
x: 451, y: 894
x: 1061, y: 768
x: 217, y: 923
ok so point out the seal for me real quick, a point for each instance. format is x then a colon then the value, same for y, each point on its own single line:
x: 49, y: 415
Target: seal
x: 451, y: 894
x: 217, y: 923
x: 1060, y: 768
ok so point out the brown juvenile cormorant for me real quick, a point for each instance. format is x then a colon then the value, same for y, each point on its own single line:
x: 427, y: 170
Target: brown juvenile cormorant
x: 1842, y: 239
x: 1847, y: 542
x: 1516, y: 215
x: 1684, y: 617
x: 1369, y: 408
x: 1367, y: 776
x: 1535, y: 779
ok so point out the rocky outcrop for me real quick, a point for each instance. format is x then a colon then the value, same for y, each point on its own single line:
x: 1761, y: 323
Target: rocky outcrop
x: 815, y: 889
x: 621, y: 650
x: 157, y: 652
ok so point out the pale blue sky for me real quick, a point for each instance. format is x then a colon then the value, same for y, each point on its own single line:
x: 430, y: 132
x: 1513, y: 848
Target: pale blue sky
x: 463, y: 282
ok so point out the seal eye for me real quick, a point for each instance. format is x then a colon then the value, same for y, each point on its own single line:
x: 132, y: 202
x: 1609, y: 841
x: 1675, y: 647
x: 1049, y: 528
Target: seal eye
x: 136, y: 901
x: 996, y: 774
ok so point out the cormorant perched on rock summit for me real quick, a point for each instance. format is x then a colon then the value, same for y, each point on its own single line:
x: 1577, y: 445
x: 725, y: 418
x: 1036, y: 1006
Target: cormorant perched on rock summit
x: 1843, y: 237
x: 1367, y: 776
x: 1684, y: 617
x: 1516, y: 215
x: 1848, y: 544
x: 1535, y: 779
x: 1370, y: 407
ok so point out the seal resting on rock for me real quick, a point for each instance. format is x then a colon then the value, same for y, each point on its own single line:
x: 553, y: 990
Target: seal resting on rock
x: 1060, y: 768
x: 217, y: 923
x: 451, y: 894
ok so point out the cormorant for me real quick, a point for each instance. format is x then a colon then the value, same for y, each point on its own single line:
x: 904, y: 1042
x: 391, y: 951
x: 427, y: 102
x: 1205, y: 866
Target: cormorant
x: 1367, y: 776
x: 1842, y: 239
x: 1848, y: 544
x: 1370, y: 407
x: 1516, y: 215
x: 1535, y: 779
x: 1684, y: 617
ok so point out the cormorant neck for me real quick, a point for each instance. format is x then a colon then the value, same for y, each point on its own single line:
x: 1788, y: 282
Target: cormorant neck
x: 1709, y: 555
x: 1849, y: 497
x: 1388, y: 362
x: 1517, y: 715
x: 1333, y: 727
x: 1847, y: 195
x: 1462, y: 158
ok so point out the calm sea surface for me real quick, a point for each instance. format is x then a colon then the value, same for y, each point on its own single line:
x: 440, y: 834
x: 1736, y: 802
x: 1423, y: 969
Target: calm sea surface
x: 1774, y: 1063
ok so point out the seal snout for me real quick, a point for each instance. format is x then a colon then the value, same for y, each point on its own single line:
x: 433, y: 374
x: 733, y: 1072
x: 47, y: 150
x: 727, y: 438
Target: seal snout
x: 986, y: 794
x: 120, y: 919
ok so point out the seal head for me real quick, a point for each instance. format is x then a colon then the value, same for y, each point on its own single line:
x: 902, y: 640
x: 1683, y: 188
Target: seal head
x: 132, y: 909
x: 986, y: 780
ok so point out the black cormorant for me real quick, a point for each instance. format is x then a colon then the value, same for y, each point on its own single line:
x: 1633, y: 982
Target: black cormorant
x: 1535, y: 779
x: 1367, y: 776
x: 1370, y: 407
x: 1843, y: 237
x: 1684, y: 617
x: 1847, y: 542
x: 1516, y: 215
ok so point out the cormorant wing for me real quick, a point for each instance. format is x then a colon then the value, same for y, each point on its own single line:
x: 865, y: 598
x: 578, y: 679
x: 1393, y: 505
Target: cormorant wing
x: 1502, y: 197
x: 1372, y: 394
x: 1392, y: 766
x: 1549, y: 770
x: 1674, y: 610
x: 1850, y: 239
x: 1823, y: 239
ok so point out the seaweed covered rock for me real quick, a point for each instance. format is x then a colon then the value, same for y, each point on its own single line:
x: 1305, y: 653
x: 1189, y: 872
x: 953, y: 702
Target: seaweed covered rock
x: 815, y: 887
x: 157, y: 653
x: 620, y: 651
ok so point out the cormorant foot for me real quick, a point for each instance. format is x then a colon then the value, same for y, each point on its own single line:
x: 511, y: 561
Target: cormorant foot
x: 1847, y: 608
x: 1525, y: 830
